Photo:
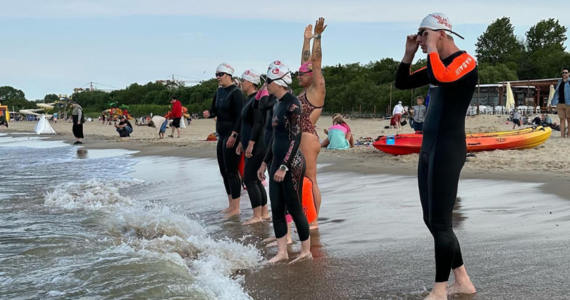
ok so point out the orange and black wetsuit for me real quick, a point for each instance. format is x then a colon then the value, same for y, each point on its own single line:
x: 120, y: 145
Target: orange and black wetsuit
x: 452, y: 82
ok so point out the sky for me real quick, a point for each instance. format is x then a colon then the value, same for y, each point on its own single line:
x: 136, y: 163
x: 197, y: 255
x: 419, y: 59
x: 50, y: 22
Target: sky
x: 53, y: 46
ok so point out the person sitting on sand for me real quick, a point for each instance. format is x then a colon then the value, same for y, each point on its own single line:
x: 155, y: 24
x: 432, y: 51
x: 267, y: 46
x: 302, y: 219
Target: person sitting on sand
x: 339, y: 135
x: 159, y: 123
x: 124, y: 128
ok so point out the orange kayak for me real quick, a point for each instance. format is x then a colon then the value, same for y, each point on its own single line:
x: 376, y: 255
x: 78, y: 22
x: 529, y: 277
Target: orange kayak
x: 402, y: 144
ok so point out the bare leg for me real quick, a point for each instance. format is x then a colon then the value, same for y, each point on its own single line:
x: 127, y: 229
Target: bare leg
x: 281, y: 252
x: 289, y: 239
x: 229, y: 205
x: 310, y: 147
x: 256, y: 217
x: 567, y: 121
x: 305, y: 252
x: 234, y: 208
x: 462, y: 284
x: 265, y: 212
x: 178, y: 130
x: 439, y: 292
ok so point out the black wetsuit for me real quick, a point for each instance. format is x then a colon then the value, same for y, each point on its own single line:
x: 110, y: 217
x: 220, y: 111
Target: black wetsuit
x: 286, y: 196
x: 251, y: 128
x: 227, y: 106
x: 266, y: 106
x: 452, y: 83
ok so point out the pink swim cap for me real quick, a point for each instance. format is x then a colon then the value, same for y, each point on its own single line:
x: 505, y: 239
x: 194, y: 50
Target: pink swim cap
x: 306, y: 68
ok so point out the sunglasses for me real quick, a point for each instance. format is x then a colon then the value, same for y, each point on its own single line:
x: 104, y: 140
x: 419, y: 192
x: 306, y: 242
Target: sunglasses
x: 269, y: 80
x: 421, y: 32
x: 564, y: 72
x: 220, y: 74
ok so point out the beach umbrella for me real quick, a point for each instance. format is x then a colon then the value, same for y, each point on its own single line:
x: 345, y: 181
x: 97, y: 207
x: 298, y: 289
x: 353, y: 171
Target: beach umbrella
x: 551, y: 95
x: 510, y: 98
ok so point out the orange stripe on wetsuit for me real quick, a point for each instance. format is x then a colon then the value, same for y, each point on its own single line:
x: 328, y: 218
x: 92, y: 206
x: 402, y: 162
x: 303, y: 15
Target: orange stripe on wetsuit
x: 459, y: 67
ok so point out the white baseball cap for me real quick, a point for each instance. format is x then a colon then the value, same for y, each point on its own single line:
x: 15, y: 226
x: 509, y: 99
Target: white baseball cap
x: 252, y: 76
x: 438, y: 21
x: 399, y: 102
x: 225, y: 68
x: 279, y: 72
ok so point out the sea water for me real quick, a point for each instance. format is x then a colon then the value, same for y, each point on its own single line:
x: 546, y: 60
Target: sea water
x: 75, y: 224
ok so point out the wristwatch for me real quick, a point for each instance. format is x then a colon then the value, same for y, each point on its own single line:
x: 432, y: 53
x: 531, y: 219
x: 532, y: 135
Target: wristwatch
x: 317, y: 36
x: 283, y: 168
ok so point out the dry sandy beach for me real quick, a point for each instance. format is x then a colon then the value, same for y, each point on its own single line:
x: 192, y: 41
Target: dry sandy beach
x: 512, y: 216
x: 540, y: 160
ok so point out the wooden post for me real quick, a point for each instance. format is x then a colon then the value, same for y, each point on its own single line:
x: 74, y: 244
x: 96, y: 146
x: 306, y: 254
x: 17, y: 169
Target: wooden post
x: 478, y: 90
x: 374, y: 110
x: 501, y: 92
x: 360, y: 110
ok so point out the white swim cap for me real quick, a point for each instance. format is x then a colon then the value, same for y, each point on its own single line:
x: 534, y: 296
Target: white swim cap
x: 280, y: 73
x: 438, y: 21
x: 252, y: 76
x: 225, y: 68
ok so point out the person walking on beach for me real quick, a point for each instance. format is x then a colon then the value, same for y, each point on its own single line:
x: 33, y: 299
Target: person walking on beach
x: 226, y: 108
x: 420, y: 112
x: 176, y: 115
x: 312, y: 98
x: 251, y: 142
x: 562, y: 101
x: 397, y: 113
x: 516, y: 119
x: 78, y: 119
x: 287, y: 164
x: 452, y: 76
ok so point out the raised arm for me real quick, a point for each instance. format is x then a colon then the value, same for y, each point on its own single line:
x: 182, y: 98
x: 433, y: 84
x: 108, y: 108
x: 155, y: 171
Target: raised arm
x: 405, y: 79
x: 306, y: 53
x: 317, y: 58
x: 295, y: 133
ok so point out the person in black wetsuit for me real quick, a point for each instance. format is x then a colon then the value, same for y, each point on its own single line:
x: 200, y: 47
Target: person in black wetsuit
x: 251, y: 142
x: 452, y: 76
x: 287, y: 168
x: 227, y: 106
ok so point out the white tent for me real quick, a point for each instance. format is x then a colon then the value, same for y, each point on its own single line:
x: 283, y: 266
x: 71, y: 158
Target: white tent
x: 43, y: 126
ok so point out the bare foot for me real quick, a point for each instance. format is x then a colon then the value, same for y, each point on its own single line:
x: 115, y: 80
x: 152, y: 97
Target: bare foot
x: 279, y: 257
x: 274, y: 244
x: 252, y: 221
x: 269, y: 239
x: 457, y: 289
x: 227, y: 210
x: 432, y: 296
x: 302, y: 257
x: 232, y: 213
x: 266, y: 217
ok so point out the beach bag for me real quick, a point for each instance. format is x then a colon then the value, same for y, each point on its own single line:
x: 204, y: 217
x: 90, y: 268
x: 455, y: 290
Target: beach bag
x: 403, y: 123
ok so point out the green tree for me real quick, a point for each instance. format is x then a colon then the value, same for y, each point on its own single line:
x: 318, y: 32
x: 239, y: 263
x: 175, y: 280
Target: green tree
x: 50, y: 98
x: 489, y: 73
x: 499, y: 44
x: 546, y: 35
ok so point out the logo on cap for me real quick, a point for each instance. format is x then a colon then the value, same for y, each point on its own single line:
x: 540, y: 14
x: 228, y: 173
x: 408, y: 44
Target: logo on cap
x: 277, y: 63
x: 275, y: 71
x: 443, y: 21
x: 247, y: 72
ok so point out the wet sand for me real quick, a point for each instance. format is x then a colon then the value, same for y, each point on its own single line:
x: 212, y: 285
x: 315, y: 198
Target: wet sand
x: 372, y: 244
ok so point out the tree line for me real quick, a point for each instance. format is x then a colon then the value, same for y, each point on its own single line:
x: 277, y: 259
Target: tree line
x: 356, y: 87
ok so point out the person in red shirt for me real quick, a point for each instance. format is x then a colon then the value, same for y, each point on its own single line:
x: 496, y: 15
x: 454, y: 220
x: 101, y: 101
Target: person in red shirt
x: 176, y: 115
